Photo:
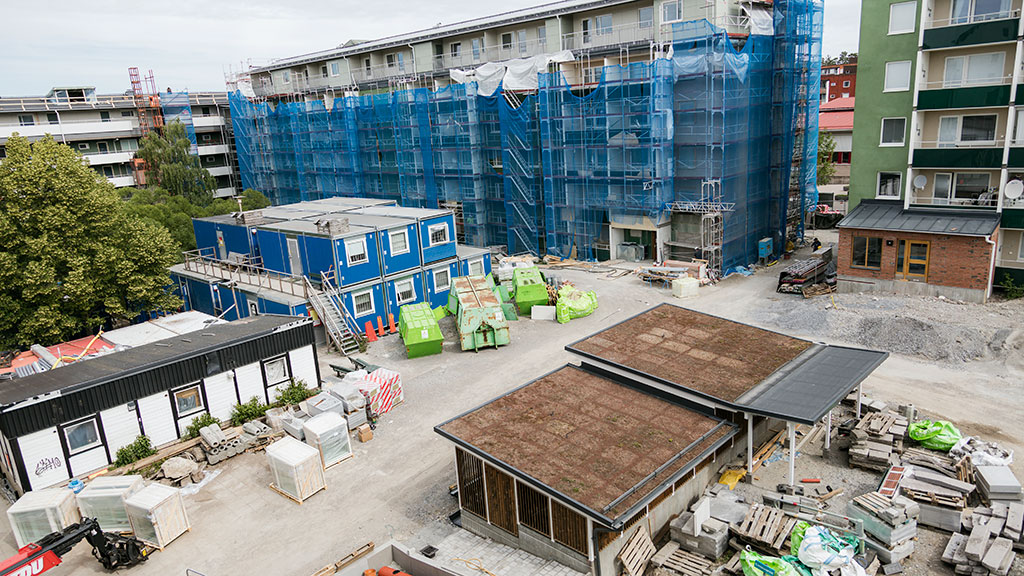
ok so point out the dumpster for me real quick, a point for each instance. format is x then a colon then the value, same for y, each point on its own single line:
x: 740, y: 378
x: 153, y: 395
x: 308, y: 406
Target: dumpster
x: 529, y: 289
x: 478, y: 314
x: 419, y: 330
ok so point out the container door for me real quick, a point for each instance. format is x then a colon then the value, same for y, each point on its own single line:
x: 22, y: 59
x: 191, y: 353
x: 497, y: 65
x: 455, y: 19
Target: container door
x: 294, y: 256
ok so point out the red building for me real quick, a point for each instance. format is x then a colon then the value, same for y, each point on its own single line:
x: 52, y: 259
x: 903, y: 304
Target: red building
x: 838, y: 81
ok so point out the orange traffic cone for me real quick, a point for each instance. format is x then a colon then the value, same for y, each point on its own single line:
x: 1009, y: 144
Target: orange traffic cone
x: 391, y: 324
x: 380, y: 326
x: 371, y: 336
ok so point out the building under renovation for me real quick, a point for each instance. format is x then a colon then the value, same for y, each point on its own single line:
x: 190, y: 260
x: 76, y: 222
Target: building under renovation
x: 569, y: 128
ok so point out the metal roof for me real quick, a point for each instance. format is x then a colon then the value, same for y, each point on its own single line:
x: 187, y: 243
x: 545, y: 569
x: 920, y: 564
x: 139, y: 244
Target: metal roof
x: 403, y: 211
x: 463, y: 251
x: 890, y: 215
x: 310, y: 227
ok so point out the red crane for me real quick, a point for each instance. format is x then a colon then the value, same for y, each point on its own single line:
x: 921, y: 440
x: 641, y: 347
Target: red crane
x: 147, y: 108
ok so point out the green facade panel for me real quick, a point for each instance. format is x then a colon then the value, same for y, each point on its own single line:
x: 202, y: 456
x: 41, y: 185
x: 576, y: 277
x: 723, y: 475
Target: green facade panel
x: 1012, y: 218
x: 974, y: 97
x: 1016, y: 158
x: 971, y: 34
x: 958, y: 158
x: 1019, y: 99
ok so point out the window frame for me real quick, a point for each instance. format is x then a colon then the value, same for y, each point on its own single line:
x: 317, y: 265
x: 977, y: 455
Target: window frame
x: 678, y: 5
x: 506, y: 45
x: 972, y: 17
x: 954, y: 199
x: 913, y: 21
x: 965, y: 71
x: 287, y: 370
x: 867, y: 252
x: 949, y: 190
x: 81, y: 449
x: 846, y: 83
x: 83, y: 145
x: 881, y: 133
x: 349, y: 253
x: 909, y: 79
x: 960, y: 130
x: 286, y: 76
x: 412, y: 289
x: 448, y: 278
x: 335, y: 69
x: 324, y: 71
x: 200, y: 404
x: 355, y: 304
x: 641, y: 22
x: 878, y: 185
x: 391, y: 241
x: 600, y: 30
x: 26, y: 120
x: 469, y: 267
x: 430, y: 234
x: 455, y: 49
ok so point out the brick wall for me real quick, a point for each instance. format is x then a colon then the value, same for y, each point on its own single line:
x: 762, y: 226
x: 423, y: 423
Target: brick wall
x: 955, y: 261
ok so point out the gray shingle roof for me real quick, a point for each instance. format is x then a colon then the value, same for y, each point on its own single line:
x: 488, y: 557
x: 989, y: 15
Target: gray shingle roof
x: 890, y: 215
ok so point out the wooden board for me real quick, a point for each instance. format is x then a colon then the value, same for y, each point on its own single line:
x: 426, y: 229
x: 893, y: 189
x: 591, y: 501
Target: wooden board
x: 637, y: 552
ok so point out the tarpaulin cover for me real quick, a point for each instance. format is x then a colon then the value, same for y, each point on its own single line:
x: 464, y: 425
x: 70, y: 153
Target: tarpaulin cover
x: 755, y: 564
x: 573, y: 303
x: 822, y: 552
x: 934, y: 435
x: 516, y: 74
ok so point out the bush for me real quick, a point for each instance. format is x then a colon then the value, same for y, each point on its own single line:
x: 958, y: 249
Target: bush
x: 137, y: 450
x: 295, y: 392
x: 201, y: 421
x: 1013, y: 290
x: 250, y: 410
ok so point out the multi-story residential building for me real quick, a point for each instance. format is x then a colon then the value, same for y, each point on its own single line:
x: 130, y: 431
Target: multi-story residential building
x: 937, y: 134
x: 838, y: 81
x: 571, y: 128
x: 836, y: 118
x: 105, y: 128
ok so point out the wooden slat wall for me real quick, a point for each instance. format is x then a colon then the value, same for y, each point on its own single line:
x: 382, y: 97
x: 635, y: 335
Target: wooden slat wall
x: 471, y: 483
x: 569, y: 528
x: 501, y: 500
x: 533, y: 509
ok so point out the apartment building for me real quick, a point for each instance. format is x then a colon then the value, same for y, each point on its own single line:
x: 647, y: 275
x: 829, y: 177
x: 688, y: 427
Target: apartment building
x: 836, y: 118
x: 838, y: 81
x: 105, y: 128
x: 937, y: 134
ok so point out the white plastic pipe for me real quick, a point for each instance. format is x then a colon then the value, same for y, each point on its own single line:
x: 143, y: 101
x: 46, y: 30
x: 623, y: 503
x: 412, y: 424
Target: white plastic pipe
x: 792, y: 453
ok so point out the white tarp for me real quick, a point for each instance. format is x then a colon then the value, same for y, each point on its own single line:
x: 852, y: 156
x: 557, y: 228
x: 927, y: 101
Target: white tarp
x: 518, y: 74
x: 761, y: 20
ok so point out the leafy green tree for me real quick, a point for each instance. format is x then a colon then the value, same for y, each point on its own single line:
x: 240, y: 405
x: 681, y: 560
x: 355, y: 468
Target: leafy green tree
x: 826, y: 167
x: 171, y: 165
x: 71, y: 257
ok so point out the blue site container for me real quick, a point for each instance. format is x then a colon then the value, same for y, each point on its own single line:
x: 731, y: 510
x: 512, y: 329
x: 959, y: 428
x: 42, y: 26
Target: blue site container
x: 437, y: 281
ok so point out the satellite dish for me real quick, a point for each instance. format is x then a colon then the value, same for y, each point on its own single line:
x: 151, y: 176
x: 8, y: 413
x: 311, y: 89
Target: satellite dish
x: 919, y: 181
x: 1013, y: 189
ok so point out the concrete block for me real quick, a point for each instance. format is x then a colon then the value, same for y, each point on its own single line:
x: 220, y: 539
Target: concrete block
x: 977, y: 543
x: 955, y: 545
x: 997, y: 551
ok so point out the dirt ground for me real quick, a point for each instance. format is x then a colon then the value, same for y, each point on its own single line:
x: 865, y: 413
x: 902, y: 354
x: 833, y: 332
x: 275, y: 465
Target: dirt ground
x: 397, y: 484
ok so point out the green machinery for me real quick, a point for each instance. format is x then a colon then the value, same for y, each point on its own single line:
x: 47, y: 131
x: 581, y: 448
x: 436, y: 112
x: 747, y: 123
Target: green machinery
x: 478, y: 314
x: 419, y: 330
x: 529, y: 289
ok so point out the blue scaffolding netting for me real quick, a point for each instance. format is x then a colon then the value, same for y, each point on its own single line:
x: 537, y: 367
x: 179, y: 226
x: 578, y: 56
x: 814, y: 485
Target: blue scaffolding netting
x: 175, y: 107
x: 723, y: 132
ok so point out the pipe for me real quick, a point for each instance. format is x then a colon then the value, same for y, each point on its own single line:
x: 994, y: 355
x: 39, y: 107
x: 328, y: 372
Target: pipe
x: 750, y: 445
x: 828, y: 430
x: 991, y: 265
x: 792, y: 453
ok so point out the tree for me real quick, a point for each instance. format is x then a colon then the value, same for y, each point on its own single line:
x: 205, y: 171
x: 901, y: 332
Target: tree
x: 71, y: 257
x: 843, y: 58
x: 826, y: 167
x: 171, y: 165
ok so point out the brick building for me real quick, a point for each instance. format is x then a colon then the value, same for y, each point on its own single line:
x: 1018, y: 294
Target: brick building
x: 838, y: 81
x: 884, y: 247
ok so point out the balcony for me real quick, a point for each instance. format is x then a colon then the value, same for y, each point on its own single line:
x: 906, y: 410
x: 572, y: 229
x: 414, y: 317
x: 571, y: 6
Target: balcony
x: 112, y: 129
x: 988, y: 199
x: 121, y: 181
x: 979, y: 93
x: 611, y: 36
x: 102, y: 158
x: 213, y: 120
x: 219, y: 170
x: 224, y: 192
x: 971, y: 30
x: 211, y: 149
x: 383, y: 71
x: 986, y: 154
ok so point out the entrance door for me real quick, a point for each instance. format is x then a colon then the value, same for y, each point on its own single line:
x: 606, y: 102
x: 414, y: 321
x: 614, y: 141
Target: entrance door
x: 912, y: 261
x: 293, y: 256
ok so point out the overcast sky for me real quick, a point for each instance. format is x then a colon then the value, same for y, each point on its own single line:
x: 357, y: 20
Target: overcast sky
x: 189, y: 44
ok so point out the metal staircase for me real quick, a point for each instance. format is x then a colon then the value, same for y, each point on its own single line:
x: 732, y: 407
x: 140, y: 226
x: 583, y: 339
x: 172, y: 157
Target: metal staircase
x: 339, y: 327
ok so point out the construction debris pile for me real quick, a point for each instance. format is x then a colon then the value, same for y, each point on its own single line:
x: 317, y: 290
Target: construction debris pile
x: 811, y: 277
x: 890, y: 524
x: 877, y: 441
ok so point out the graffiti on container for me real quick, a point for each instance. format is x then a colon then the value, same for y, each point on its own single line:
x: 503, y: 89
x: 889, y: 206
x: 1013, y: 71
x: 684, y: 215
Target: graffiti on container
x: 48, y: 464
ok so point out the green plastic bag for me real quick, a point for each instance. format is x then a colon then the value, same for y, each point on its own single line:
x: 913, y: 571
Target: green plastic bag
x: 754, y: 564
x: 937, y: 435
x: 798, y: 565
x: 797, y: 536
x: 573, y: 303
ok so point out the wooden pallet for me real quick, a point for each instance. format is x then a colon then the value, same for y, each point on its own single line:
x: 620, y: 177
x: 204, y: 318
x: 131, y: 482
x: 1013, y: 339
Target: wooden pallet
x: 686, y: 563
x: 767, y: 526
x: 873, y: 502
x: 935, y: 499
x: 637, y: 552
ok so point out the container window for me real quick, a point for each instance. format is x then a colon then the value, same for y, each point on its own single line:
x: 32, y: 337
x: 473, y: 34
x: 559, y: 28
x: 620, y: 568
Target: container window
x: 356, y: 250
x: 404, y: 291
x: 363, y: 303
x: 476, y: 268
x: 188, y: 400
x: 82, y: 436
x: 276, y: 370
x: 438, y: 234
x: 442, y: 279
x: 399, y: 242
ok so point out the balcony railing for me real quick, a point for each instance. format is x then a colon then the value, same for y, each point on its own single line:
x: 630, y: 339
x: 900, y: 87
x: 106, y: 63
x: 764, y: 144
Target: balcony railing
x: 383, y: 71
x: 960, y: 144
x: 989, y: 199
x: 972, y: 19
x: 611, y: 36
x: 971, y: 83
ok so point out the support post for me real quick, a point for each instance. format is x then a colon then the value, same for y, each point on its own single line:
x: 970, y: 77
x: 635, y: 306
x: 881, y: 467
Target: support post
x: 860, y: 389
x: 792, y: 453
x: 750, y: 447
x: 828, y: 430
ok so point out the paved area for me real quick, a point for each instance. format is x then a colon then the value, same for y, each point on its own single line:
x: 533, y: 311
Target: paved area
x: 462, y: 546
x: 397, y: 484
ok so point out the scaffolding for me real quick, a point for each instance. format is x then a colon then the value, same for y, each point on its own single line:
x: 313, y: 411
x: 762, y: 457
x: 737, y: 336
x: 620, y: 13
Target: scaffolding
x: 710, y: 142
x: 175, y: 107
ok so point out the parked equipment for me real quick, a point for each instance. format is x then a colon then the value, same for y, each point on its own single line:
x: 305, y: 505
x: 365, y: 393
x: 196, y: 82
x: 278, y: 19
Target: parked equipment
x: 112, y: 550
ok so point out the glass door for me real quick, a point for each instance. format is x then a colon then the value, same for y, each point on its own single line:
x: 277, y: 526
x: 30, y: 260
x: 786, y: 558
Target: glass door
x: 912, y: 261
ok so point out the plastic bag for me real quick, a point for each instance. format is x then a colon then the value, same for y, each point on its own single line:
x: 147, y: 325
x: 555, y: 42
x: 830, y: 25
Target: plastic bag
x: 822, y: 552
x: 754, y: 564
x: 982, y: 453
x: 573, y: 303
x: 937, y: 435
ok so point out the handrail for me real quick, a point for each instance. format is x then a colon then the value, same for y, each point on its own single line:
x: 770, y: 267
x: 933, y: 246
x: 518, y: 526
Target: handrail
x: 991, y: 81
x: 326, y: 281
x: 960, y: 144
x: 244, y: 273
x: 973, y: 19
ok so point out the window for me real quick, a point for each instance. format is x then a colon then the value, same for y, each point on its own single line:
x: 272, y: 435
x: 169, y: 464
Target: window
x: 51, y: 118
x: 902, y: 17
x: 672, y: 11
x: 897, y: 76
x: 276, y: 370
x: 973, y: 70
x: 893, y: 131
x: 455, y: 49
x: 522, y: 43
x: 404, y: 291
x: 323, y: 71
x: 83, y: 146
x: 82, y: 436
x: 592, y: 75
x: 964, y: 11
x: 980, y: 128
x: 26, y: 120
x: 442, y: 279
x: 476, y: 268
x: 438, y: 234
x: 476, y: 49
x: 889, y: 184
x: 108, y: 171
x: 366, y: 66
x: 188, y: 400
x: 102, y: 147
x: 972, y: 188
x: 645, y: 18
x: 867, y: 252
x: 391, y: 60
x: 286, y: 76
x: 399, y: 242
x: 205, y: 137
x: 506, y: 41
x: 846, y: 83
x: 846, y: 94
x: 942, y: 188
x: 335, y: 69
x: 362, y: 303
x: 206, y: 110
x: 542, y: 36
x: 356, y: 250
x: 603, y: 24
x: 104, y: 116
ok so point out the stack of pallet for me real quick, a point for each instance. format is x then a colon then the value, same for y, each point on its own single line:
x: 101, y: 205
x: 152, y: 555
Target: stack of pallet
x: 877, y: 441
x: 686, y: 563
x: 890, y: 524
x: 765, y: 528
x: 981, y: 553
x: 942, y: 499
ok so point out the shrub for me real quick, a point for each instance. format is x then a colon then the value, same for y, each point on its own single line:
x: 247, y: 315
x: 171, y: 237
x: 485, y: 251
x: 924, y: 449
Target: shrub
x: 201, y: 421
x: 1013, y: 290
x: 137, y: 450
x: 250, y: 410
x: 295, y: 392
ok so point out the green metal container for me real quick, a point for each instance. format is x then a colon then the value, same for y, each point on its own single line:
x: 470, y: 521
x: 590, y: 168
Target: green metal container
x: 529, y: 289
x: 478, y: 313
x: 419, y: 330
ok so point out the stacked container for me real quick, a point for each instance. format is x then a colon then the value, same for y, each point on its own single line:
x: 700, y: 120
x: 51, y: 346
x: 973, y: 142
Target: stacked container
x: 104, y: 497
x: 42, y: 512
x: 298, y: 472
x: 157, y: 514
x: 328, y: 433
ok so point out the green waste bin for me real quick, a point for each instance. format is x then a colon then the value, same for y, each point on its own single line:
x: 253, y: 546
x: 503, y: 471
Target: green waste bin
x: 529, y: 289
x: 478, y: 314
x: 419, y: 330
